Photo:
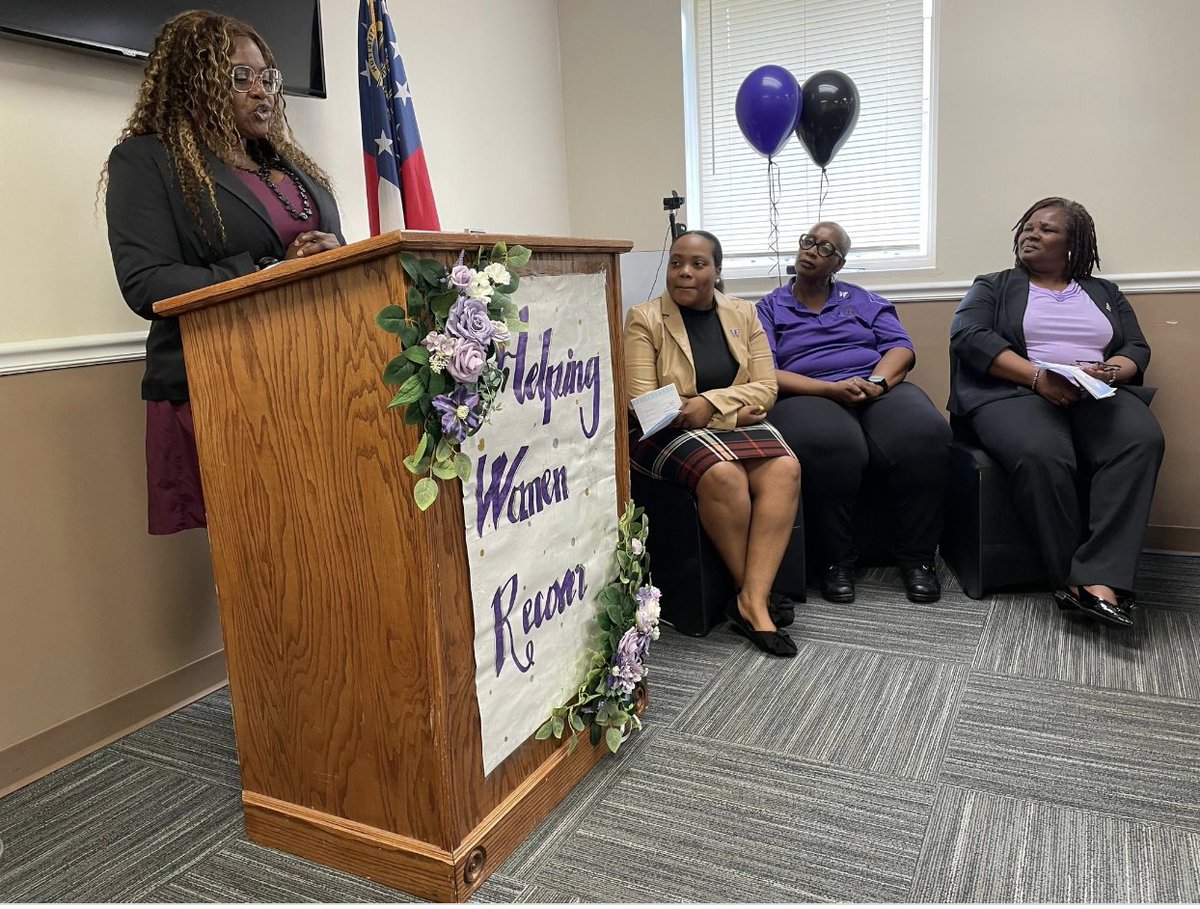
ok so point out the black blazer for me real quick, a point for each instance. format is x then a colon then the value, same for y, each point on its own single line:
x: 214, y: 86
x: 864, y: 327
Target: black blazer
x: 991, y: 319
x: 158, y: 252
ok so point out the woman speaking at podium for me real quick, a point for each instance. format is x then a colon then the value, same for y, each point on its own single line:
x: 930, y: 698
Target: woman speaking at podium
x: 745, y: 478
x: 205, y: 185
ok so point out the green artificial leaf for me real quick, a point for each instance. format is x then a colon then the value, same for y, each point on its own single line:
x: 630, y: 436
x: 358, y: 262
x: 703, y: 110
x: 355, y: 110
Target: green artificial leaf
x: 462, y: 466
x: 613, y: 739
x: 417, y: 354
x: 544, y: 731
x: 440, y: 303
x: 410, y: 391
x: 558, y: 726
x: 391, y: 318
x: 623, y: 560
x: 419, y: 466
x: 500, y: 252
x: 411, y: 266
x: 425, y: 492
x: 577, y: 722
x: 617, y: 615
x: 595, y: 734
x: 518, y: 256
x: 444, y: 450
x: 413, y: 416
x: 444, y: 470
x: 501, y: 300
x: 514, y: 281
x: 610, y: 595
x: 422, y: 446
x: 409, y: 335
x: 397, y: 371
x: 572, y: 744
x: 437, y: 384
x: 432, y: 271
x: 604, y: 621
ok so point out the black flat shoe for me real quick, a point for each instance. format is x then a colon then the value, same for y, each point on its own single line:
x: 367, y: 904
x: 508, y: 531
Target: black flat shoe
x: 781, y: 610
x: 921, y: 584
x: 837, y: 586
x: 777, y: 643
x: 1065, y: 600
x: 1108, y: 612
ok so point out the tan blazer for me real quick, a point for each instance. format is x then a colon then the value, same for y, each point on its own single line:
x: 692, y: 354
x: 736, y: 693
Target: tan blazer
x: 657, y: 353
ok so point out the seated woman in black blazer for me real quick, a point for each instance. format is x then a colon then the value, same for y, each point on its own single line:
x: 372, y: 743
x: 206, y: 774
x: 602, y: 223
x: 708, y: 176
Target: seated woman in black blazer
x: 1043, y: 428
x: 206, y: 184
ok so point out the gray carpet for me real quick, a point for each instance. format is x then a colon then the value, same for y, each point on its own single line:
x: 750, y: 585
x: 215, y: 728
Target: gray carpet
x: 963, y: 751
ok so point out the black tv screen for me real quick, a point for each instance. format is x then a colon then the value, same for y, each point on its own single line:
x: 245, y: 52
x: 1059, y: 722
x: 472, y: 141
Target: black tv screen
x: 127, y: 29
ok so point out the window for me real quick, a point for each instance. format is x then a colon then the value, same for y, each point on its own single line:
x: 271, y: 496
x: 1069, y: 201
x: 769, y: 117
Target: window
x: 879, y: 185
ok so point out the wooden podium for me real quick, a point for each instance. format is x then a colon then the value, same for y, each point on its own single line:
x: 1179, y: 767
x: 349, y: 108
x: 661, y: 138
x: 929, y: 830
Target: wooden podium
x: 346, y: 612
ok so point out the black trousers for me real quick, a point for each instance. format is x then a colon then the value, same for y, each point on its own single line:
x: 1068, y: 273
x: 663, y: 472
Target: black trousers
x: 1116, y: 442
x: 901, y: 435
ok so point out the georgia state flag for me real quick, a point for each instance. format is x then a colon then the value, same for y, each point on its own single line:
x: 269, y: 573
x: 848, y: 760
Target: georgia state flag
x: 399, y: 194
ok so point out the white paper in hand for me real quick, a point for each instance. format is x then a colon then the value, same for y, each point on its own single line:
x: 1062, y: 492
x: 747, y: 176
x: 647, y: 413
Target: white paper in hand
x: 1090, y: 384
x: 657, y: 409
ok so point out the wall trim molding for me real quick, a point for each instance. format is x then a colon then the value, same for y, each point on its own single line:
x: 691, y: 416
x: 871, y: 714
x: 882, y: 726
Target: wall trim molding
x: 101, y: 349
x: 1172, y: 282
x: 65, y: 353
x: 45, y: 752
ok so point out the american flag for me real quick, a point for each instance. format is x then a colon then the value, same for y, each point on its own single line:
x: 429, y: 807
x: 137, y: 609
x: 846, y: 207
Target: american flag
x: 398, y: 191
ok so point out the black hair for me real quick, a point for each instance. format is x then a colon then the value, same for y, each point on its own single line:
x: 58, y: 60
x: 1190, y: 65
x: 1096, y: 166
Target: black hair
x: 1083, y: 254
x: 717, y: 253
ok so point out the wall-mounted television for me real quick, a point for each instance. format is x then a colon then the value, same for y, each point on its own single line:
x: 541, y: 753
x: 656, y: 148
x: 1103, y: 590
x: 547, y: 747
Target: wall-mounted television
x: 126, y: 30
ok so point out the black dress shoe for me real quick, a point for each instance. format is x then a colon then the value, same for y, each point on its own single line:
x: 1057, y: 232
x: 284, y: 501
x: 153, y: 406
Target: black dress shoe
x: 1065, y: 600
x: 838, y: 584
x: 1106, y: 611
x: 782, y: 610
x: 777, y: 643
x: 921, y: 584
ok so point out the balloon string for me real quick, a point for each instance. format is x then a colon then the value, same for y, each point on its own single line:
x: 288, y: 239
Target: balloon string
x: 774, y: 190
x: 824, y: 192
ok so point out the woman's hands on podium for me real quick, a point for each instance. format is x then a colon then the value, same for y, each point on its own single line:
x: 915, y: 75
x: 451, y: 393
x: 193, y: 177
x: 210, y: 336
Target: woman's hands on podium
x: 310, y: 243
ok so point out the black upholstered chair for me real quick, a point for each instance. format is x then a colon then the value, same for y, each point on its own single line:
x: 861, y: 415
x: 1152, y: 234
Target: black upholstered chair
x: 985, y: 542
x: 695, y: 585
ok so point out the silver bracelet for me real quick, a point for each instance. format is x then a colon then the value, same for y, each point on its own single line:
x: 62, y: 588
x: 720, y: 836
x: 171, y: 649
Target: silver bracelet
x: 1037, y: 372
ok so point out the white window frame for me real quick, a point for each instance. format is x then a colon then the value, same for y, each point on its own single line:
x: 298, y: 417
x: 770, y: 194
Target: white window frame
x: 755, y: 271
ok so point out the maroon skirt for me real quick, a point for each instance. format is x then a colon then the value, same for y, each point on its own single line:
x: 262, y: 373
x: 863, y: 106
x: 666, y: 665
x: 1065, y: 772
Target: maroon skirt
x: 683, y: 455
x: 173, y: 494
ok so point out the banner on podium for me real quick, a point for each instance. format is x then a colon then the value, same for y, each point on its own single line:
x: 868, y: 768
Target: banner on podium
x: 540, y: 510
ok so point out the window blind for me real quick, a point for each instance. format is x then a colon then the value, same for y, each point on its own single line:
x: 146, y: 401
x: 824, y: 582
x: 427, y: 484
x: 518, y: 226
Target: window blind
x: 878, y: 181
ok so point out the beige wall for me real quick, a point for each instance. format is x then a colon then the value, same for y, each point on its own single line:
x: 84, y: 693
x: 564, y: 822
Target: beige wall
x: 102, y: 626
x: 1093, y: 99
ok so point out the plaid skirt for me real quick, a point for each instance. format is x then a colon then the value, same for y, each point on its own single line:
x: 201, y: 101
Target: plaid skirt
x: 683, y: 455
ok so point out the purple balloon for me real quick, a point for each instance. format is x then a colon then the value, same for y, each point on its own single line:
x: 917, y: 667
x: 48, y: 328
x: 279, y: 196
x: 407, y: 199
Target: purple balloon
x: 768, y: 106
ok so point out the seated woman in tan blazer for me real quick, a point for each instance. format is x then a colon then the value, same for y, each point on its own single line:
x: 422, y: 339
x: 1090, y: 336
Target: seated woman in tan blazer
x: 745, y: 478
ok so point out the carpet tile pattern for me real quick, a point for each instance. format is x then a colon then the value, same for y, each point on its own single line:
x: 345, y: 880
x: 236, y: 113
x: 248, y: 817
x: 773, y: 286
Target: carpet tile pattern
x: 963, y: 751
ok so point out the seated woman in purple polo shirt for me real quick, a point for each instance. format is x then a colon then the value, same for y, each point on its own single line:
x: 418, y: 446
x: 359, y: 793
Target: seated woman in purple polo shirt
x: 1043, y: 428
x: 841, y: 356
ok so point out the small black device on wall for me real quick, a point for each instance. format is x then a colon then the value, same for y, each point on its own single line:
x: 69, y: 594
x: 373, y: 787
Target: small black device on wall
x: 126, y: 30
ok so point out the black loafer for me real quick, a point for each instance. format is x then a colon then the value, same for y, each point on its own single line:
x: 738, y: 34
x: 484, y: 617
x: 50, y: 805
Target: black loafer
x: 1109, y: 613
x: 838, y: 584
x: 1065, y: 600
x: 921, y: 584
x: 782, y: 610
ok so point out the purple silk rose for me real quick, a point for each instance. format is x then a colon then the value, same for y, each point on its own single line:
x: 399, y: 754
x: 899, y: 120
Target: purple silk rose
x: 460, y: 276
x: 466, y: 365
x: 468, y: 319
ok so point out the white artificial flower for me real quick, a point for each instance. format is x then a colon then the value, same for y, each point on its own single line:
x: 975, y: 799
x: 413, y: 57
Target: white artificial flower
x: 480, y: 287
x: 498, y: 273
x: 438, y: 361
x: 636, y: 545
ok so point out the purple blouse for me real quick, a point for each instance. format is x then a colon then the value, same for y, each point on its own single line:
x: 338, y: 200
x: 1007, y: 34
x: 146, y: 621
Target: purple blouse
x: 285, y: 225
x: 1064, y: 326
x: 845, y: 339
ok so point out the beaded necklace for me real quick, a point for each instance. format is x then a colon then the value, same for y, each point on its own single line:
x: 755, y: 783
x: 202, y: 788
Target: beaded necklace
x: 264, y: 174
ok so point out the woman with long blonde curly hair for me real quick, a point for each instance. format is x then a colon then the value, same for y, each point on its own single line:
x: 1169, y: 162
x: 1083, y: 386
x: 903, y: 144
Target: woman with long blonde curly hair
x: 206, y: 184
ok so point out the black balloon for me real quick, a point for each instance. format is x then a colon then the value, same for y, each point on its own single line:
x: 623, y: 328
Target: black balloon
x: 828, y: 113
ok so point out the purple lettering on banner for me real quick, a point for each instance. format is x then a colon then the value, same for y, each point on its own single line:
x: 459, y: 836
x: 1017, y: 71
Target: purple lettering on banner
x: 495, y: 493
x: 537, y: 610
x: 504, y: 628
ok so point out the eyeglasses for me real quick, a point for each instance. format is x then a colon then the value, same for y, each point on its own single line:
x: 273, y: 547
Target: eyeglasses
x: 244, y: 77
x: 824, y: 250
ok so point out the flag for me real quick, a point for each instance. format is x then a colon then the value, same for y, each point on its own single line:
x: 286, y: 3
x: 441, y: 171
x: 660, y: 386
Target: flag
x: 399, y: 194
